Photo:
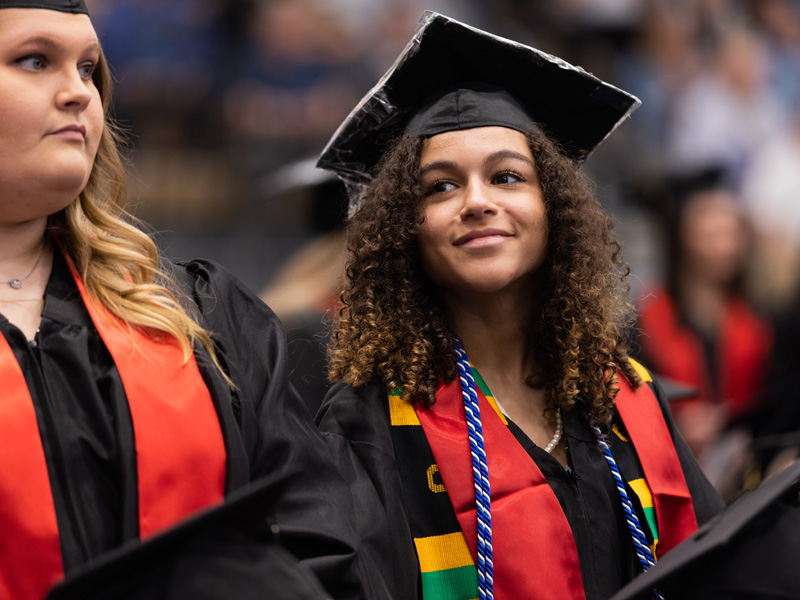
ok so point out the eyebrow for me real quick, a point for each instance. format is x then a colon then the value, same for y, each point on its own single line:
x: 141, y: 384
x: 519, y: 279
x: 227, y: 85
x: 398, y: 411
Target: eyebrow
x: 503, y: 154
x: 444, y: 165
x: 50, y: 43
x: 436, y: 165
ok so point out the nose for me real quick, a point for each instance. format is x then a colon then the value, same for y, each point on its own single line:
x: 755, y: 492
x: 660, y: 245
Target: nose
x: 74, y: 92
x: 478, y: 201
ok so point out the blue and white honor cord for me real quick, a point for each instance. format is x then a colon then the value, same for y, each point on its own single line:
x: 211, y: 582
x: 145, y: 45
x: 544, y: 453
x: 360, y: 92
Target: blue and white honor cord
x: 640, y: 544
x: 480, y: 474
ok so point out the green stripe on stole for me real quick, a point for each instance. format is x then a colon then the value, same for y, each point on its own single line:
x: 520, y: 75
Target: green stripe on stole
x: 446, y: 565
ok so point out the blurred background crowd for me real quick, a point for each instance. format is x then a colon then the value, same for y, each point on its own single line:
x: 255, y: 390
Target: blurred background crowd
x: 224, y: 99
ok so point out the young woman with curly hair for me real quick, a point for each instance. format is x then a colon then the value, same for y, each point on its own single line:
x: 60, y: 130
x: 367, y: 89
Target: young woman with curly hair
x: 487, y: 401
x: 135, y: 391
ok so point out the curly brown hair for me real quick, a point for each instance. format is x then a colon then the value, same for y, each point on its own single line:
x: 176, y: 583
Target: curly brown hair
x: 392, y: 324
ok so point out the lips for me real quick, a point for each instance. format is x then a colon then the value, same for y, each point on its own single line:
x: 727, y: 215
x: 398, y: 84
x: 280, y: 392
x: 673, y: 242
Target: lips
x: 479, y: 234
x: 71, y: 131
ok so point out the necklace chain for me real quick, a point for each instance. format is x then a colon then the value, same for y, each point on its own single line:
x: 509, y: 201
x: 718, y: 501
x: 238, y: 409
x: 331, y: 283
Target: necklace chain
x: 16, y: 283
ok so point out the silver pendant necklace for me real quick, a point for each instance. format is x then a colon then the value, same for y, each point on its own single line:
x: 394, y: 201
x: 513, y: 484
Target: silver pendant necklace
x: 16, y: 283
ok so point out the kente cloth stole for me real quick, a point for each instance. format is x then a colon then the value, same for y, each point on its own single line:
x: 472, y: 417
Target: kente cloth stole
x: 180, y: 451
x: 447, y: 560
x: 644, y: 423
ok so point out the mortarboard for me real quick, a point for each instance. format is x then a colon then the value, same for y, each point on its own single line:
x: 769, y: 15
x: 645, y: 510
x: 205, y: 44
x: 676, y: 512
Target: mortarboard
x: 446, y: 58
x: 229, y: 551
x: 68, y: 6
x: 749, y: 550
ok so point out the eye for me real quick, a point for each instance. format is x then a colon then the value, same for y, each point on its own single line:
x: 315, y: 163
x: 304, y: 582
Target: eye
x: 34, y: 62
x: 439, y: 186
x: 507, y: 177
x: 87, y: 69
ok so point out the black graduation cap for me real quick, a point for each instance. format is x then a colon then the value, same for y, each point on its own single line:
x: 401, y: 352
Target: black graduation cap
x: 68, y: 6
x: 573, y: 107
x: 749, y: 550
x: 229, y: 551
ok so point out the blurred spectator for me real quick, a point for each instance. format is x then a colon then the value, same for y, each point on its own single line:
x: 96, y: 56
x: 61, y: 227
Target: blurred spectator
x: 166, y: 54
x: 170, y: 58
x: 727, y: 112
x: 778, y: 22
x: 294, y: 82
x: 663, y: 61
x: 699, y: 330
x: 771, y: 190
x: 305, y: 292
x: 771, y: 186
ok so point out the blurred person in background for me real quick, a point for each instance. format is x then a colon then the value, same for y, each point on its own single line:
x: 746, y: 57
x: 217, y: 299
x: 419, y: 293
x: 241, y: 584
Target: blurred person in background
x: 771, y: 193
x: 727, y: 111
x: 305, y: 292
x: 699, y: 329
x: 294, y: 81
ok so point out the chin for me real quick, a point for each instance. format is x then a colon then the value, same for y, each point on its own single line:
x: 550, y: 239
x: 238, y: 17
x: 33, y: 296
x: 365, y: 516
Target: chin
x: 69, y: 183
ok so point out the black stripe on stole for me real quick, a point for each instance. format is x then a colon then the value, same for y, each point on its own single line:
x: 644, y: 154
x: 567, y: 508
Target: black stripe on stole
x: 429, y: 508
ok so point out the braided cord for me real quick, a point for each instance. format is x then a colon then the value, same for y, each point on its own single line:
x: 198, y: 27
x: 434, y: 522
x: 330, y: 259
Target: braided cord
x: 640, y: 544
x: 480, y: 474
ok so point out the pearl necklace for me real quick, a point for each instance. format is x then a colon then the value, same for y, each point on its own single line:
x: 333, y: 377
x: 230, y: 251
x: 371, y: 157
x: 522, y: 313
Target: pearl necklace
x: 557, y: 436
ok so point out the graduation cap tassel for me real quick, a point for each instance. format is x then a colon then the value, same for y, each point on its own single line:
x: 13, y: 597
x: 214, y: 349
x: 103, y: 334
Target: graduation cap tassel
x: 480, y: 473
x: 640, y: 544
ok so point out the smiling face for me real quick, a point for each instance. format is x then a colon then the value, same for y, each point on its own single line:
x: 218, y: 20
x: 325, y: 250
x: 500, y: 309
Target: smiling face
x: 485, y: 226
x: 51, y: 115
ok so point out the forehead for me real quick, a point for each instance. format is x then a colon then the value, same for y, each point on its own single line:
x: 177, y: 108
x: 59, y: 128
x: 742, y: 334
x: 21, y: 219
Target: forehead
x: 480, y: 141
x: 17, y: 25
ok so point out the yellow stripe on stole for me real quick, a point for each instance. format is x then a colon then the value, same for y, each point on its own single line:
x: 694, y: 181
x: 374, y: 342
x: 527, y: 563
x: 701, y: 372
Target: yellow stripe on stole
x: 620, y: 435
x: 401, y: 412
x: 643, y: 492
x: 439, y: 552
x: 643, y: 373
x: 496, y: 408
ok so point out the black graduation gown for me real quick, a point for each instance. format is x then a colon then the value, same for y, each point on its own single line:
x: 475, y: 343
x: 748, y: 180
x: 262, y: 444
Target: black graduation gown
x: 87, y: 433
x: 355, y: 423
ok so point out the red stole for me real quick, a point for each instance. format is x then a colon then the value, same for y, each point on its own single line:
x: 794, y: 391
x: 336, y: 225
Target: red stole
x: 649, y: 434
x: 529, y: 529
x: 528, y: 525
x: 180, y: 452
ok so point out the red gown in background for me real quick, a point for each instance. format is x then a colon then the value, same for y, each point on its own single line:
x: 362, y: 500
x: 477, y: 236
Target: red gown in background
x: 675, y: 350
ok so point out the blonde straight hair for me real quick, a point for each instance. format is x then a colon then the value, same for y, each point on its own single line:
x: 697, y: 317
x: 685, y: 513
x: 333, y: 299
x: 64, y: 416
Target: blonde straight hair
x: 117, y: 262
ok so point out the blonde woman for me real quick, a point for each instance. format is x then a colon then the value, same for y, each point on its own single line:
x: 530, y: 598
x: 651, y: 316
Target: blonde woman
x: 135, y: 392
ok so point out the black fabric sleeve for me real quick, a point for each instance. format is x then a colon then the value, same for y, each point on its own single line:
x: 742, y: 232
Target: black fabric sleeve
x: 356, y: 427
x: 314, y: 511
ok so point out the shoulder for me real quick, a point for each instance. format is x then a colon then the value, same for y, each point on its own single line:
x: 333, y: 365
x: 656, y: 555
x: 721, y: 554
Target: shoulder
x: 219, y: 295
x: 357, y: 414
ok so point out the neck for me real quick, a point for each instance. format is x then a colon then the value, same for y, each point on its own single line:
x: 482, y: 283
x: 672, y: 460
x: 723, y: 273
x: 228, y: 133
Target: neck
x: 20, y: 245
x: 24, y: 256
x: 704, y: 302
x: 491, y: 328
